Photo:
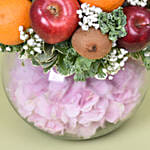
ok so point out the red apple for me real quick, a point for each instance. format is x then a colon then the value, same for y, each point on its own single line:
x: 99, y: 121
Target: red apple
x: 138, y: 28
x: 54, y: 20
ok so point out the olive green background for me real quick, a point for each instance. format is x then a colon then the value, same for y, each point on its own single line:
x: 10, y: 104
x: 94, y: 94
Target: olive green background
x: 15, y: 134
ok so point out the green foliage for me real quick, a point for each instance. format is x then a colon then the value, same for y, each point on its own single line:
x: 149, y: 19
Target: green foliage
x: 14, y: 48
x: 144, y: 55
x: 148, y: 4
x: 46, y: 59
x: 113, y: 24
x: 70, y: 62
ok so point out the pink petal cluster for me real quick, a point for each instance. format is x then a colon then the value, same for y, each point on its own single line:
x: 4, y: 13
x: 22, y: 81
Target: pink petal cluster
x: 77, y: 108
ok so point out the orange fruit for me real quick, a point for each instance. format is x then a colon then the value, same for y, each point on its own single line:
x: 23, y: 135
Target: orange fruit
x: 13, y: 13
x: 105, y: 5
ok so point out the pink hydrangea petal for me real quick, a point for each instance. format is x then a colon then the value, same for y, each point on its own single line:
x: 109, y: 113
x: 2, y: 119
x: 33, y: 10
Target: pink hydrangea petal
x: 71, y: 110
x: 55, y: 126
x: 24, y: 113
x: 42, y: 107
x: 39, y: 121
x: 87, y: 131
x: 99, y: 87
x: 114, y: 112
x: 92, y: 116
x: 128, y: 109
x: 79, y: 108
x: 90, y: 103
x: 73, y: 123
x: 57, y: 90
x: 64, y: 118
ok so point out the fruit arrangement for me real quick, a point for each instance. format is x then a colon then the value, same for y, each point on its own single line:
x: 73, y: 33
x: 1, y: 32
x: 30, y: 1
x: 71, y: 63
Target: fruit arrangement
x: 62, y: 42
x: 85, y: 38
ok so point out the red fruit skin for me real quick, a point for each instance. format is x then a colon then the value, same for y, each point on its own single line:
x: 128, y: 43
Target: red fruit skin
x: 54, y: 28
x: 138, y: 29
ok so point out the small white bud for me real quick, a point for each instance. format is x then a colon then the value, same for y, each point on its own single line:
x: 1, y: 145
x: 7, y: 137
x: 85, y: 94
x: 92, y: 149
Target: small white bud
x: 125, y: 59
x: 110, y: 77
x: 32, y: 52
x: 30, y: 30
x: 20, y: 28
x: 26, y: 36
x: 8, y: 49
x: 101, y: 78
x: 98, y: 10
x: 38, y: 50
x: 22, y: 33
x: 120, y: 56
x: 79, y: 12
x: 80, y: 16
x: 22, y: 37
x: 104, y: 70
x: 38, y: 44
x: 36, y: 36
x: 122, y: 63
x: 85, y: 27
x: 30, y: 42
x: 80, y: 23
x: 39, y: 40
x: 25, y: 47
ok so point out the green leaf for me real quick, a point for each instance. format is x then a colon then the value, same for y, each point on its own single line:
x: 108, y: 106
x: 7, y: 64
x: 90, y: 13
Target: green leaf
x: 63, y: 68
x: 113, y: 24
x: 83, y: 64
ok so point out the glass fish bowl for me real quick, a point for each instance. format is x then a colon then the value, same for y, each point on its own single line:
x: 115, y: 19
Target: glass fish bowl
x: 73, y: 110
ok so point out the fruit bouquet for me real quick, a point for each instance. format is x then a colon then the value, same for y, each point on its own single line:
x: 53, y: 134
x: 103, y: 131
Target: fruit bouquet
x: 75, y: 68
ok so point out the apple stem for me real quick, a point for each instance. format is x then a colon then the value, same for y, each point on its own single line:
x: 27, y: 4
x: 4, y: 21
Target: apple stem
x: 141, y: 25
x: 53, y: 10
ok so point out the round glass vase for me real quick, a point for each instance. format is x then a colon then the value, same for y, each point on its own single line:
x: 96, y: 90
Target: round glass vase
x: 73, y: 110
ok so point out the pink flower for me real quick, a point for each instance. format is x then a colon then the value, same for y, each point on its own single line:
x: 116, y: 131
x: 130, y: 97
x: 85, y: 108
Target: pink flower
x: 114, y: 112
x: 54, y: 126
x: 78, y: 108
x: 42, y: 107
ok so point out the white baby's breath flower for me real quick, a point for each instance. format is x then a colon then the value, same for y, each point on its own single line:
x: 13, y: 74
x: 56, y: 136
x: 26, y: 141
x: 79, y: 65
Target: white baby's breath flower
x: 141, y: 3
x: 125, y: 59
x: 8, y: 49
x: 38, y: 45
x: 114, y: 62
x: 102, y: 77
x: 147, y: 54
x: 31, y: 42
x: 32, y: 52
x: 88, y: 16
x: 21, y: 28
x: 120, y: 56
x: 123, y: 51
x: 22, y: 33
x: 104, y: 70
x: 39, y: 40
x: 38, y: 50
x: 114, y: 44
x: 85, y: 27
x: 36, y: 36
x: 110, y: 77
x: 30, y: 30
x: 22, y: 37
x: 122, y: 63
x: 26, y: 36
x: 25, y: 47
